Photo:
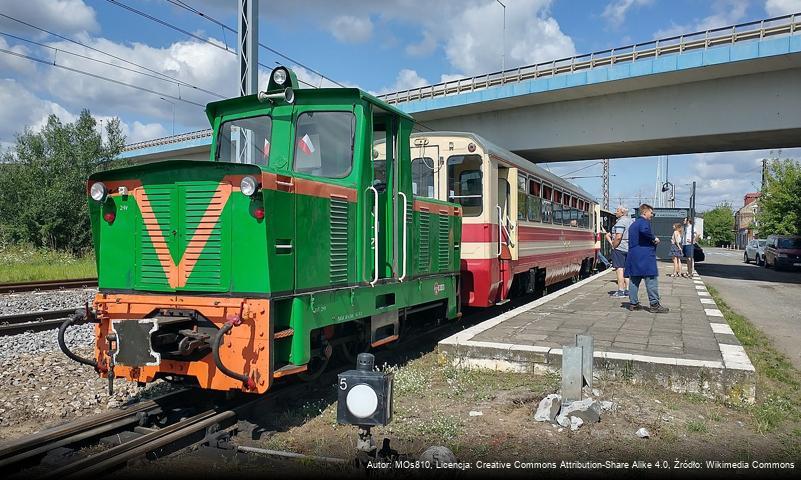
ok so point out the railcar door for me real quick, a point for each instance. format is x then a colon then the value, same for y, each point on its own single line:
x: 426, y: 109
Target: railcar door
x: 505, y: 227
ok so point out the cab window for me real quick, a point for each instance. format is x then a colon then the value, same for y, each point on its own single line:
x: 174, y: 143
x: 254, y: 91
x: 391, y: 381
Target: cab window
x: 246, y: 140
x: 423, y: 177
x: 465, y: 184
x: 324, y: 144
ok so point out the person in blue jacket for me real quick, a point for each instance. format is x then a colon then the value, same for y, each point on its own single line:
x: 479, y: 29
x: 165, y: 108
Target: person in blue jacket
x: 641, y: 262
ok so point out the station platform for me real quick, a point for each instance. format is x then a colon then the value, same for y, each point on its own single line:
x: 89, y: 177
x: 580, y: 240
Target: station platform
x: 689, y: 349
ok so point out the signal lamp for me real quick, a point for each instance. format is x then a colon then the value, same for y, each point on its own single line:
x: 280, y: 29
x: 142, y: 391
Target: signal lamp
x: 259, y: 213
x: 471, y: 147
x: 280, y: 76
x: 249, y: 186
x: 98, y: 192
x: 365, y: 396
x: 109, y: 216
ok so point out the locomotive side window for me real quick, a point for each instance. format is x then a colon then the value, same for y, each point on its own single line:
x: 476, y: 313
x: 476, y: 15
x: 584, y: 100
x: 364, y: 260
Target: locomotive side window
x: 423, y: 177
x: 465, y: 184
x: 246, y: 140
x: 324, y: 143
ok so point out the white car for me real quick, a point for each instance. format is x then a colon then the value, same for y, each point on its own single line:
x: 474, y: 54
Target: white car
x: 755, y: 251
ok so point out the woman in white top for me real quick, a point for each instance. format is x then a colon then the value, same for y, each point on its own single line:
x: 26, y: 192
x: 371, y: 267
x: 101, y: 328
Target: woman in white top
x: 675, y: 249
x: 690, y: 237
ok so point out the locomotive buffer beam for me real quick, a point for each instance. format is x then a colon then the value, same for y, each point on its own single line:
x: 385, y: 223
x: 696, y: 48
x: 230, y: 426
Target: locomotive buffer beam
x: 143, y: 342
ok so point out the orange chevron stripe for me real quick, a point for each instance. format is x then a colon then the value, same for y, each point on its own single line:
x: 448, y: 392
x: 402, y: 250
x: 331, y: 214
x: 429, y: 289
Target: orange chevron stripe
x: 177, y: 275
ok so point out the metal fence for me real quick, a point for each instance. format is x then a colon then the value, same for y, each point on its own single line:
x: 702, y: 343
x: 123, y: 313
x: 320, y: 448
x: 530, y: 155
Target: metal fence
x: 772, y: 27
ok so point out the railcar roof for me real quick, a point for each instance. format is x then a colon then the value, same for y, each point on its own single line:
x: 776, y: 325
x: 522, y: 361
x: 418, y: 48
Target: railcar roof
x: 512, y: 158
x: 252, y: 101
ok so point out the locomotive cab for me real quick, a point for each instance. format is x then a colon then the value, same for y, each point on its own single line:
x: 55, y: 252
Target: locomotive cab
x: 288, y: 242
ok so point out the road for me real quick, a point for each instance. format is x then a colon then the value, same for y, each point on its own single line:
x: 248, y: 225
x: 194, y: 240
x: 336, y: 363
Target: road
x: 771, y: 300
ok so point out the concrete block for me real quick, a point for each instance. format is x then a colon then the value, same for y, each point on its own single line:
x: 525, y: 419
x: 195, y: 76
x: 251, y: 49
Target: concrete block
x: 548, y: 408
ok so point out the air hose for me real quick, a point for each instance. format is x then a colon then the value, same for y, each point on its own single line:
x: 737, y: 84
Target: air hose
x: 215, y: 351
x: 79, y: 317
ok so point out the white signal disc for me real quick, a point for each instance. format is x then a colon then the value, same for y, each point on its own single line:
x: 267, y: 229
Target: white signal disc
x: 362, y: 401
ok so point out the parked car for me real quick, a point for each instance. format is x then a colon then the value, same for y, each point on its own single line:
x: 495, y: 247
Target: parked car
x: 783, y: 251
x: 754, y: 251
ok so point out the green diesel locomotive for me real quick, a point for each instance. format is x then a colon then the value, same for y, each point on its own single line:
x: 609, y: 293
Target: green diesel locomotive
x: 291, y: 241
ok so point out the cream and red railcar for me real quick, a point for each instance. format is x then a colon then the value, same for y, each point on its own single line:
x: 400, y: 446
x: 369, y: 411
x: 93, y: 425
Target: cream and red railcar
x: 523, y: 227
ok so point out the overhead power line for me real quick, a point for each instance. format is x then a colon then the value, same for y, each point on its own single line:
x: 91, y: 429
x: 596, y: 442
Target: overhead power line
x: 97, y: 76
x: 59, y: 50
x: 111, y: 55
x: 205, y: 40
x: 186, y: 6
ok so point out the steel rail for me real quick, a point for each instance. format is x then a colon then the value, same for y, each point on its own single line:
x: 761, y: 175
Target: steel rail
x: 47, y: 285
x: 17, y: 451
x: 34, y: 321
x: 757, y: 30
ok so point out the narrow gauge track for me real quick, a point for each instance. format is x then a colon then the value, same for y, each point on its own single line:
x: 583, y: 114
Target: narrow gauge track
x: 47, y: 285
x: 165, y: 424
x: 34, y: 321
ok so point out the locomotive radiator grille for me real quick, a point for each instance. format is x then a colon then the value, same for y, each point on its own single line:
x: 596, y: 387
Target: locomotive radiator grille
x: 443, y: 244
x: 155, y: 253
x: 425, y: 240
x: 339, y: 241
x: 203, y: 206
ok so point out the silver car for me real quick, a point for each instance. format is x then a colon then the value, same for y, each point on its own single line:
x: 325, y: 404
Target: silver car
x: 755, y: 251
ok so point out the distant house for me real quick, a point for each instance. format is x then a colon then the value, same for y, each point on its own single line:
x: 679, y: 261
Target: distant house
x: 744, y: 220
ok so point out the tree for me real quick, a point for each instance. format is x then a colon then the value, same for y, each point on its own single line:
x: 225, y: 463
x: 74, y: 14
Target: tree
x: 779, y: 210
x: 43, y: 182
x: 719, y: 225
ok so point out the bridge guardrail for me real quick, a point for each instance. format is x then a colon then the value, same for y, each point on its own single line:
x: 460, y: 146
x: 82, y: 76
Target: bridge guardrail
x: 771, y: 27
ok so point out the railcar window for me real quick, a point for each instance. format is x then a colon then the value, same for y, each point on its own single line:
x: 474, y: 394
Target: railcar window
x: 423, y: 177
x: 534, y: 188
x: 465, y: 184
x: 557, y: 214
x: 522, y: 211
x: 547, y: 211
x: 246, y: 140
x: 534, y: 208
x: 324, y: 143
x: 546, y: 192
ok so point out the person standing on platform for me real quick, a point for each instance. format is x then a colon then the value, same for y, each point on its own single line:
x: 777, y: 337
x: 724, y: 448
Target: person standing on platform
x: 619, y: 240
x: 676, y: 241
x: 641, y: 262
x: 690, y: 237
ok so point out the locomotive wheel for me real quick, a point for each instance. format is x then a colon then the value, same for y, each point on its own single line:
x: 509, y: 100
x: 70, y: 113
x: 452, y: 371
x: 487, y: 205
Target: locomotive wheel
x: 317, y: 366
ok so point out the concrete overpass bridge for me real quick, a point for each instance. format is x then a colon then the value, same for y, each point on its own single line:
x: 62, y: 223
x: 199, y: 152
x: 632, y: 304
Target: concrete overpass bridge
x: 732, y: 88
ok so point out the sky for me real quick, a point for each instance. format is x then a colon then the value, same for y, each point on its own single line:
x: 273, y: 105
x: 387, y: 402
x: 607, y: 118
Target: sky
x: 378, y: 46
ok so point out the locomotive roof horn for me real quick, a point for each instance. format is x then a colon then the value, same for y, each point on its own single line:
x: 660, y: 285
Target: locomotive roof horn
x: 288, y: 96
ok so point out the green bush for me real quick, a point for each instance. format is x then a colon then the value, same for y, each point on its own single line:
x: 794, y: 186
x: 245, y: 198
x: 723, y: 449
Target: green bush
x: 43, y: 182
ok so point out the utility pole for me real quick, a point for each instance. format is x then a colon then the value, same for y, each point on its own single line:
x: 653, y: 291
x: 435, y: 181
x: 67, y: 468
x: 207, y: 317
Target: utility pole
x: 606, y: 183
x: 248, y: 47
x: 692, y: 212
x: 764, y: 173
x: 503, y: 54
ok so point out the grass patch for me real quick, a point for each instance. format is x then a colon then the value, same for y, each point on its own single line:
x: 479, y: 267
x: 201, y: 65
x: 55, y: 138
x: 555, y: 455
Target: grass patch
x: 27, y: 264
x: 696, y: 426
x: 778, y: 382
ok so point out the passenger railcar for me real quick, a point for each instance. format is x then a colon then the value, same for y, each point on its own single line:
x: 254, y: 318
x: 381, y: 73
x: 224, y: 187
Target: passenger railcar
x: 254, y: 265
x: 523, y: 228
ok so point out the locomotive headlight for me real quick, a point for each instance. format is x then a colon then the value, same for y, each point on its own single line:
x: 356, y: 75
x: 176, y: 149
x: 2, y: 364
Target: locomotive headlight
x: 248, y: 186
x: 361, y: 401
x: 98, y: 192
x: 279, y: 76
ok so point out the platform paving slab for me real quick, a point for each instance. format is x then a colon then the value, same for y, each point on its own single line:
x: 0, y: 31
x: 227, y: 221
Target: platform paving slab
x: 689, y: 349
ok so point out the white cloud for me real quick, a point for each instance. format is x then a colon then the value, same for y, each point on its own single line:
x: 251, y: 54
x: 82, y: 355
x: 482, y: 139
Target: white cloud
x: 22, y: 109
x: 424, y: 47
x: 351, y: 29
x: 13, y: 63
x: 724, y: 13
x: 616, y: 11
x: 406, y: 79
x: 139, y: 131
x: 777, y: 8
x: 472, y: 44
x: 62, y: 16
x: 449, y: 77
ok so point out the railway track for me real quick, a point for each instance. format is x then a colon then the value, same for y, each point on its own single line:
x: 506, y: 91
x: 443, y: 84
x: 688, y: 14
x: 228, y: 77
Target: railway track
x: 17, y: 323
x: 47, y: 285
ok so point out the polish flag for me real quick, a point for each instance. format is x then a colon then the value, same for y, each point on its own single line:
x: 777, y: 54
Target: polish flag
x: 306, y: 145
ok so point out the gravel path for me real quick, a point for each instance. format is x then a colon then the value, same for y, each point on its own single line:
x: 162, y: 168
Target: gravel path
x: 39, y: 385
